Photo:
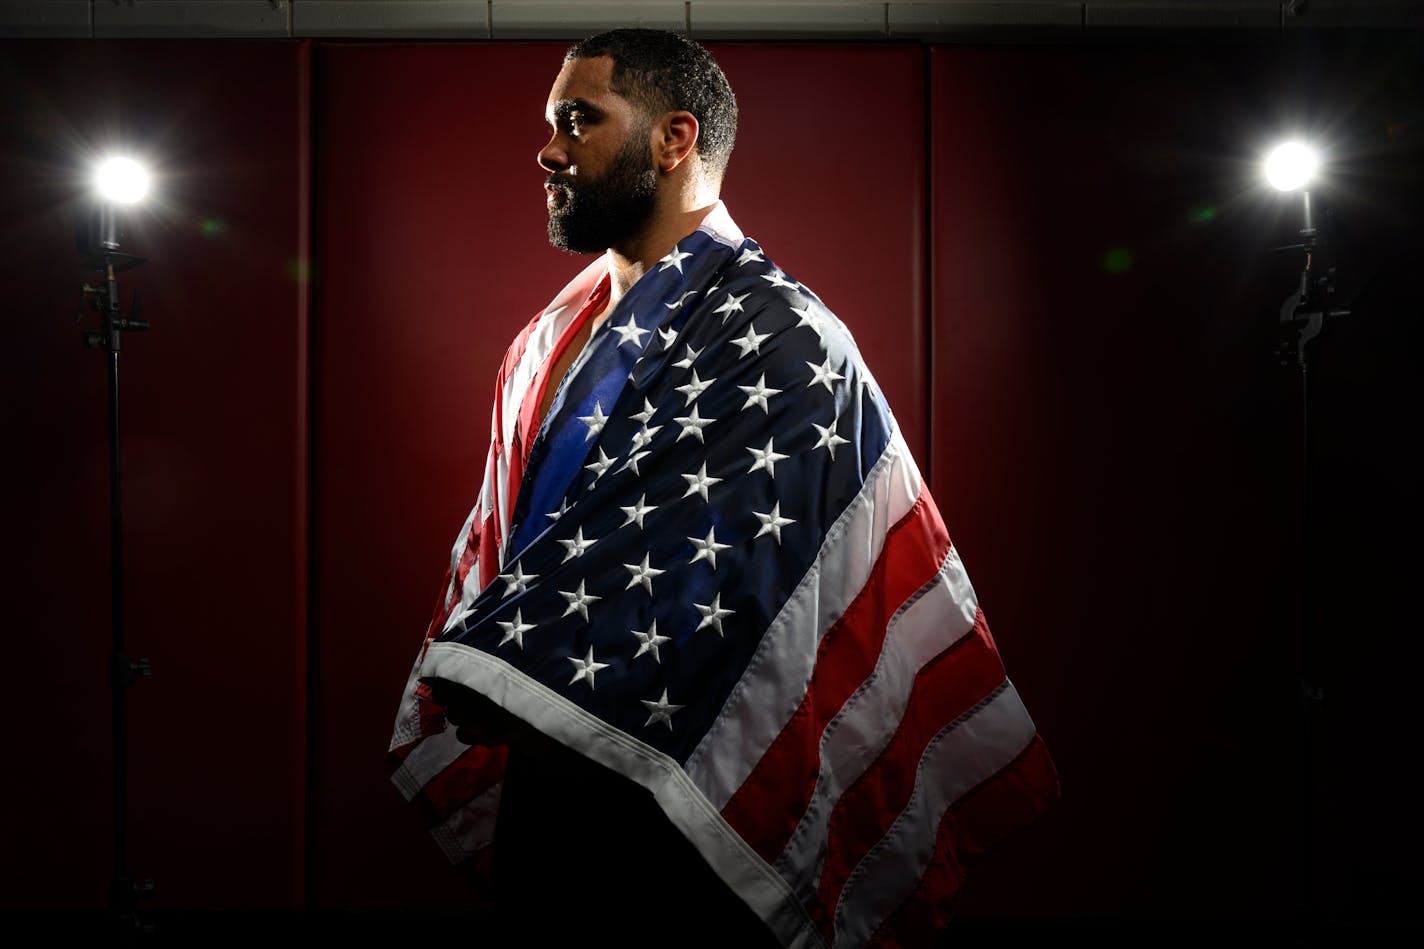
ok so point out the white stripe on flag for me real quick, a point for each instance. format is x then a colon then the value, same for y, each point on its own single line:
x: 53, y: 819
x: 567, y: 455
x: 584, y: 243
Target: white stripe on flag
x: 938, y: 615
x: 426, y: 760
x: 494, y: 497
x: 471, y: 828
x: 776, y: 679
x: 407, y: 728
x: 964, y: 754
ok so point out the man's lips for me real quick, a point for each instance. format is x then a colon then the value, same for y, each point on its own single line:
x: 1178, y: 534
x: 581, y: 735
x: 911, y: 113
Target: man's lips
x: 556, y: 194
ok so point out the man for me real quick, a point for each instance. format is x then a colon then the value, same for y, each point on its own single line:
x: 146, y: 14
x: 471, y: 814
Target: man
x: 704, y: 641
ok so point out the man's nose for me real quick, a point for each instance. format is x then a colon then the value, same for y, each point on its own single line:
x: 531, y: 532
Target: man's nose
x: 553, y: 156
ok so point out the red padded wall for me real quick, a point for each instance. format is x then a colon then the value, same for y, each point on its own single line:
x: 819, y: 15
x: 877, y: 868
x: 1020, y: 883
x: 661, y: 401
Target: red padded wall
x: 1114, y: 450
x: 214, y: 491
x: 433, y: 254
x: 1117, y: 453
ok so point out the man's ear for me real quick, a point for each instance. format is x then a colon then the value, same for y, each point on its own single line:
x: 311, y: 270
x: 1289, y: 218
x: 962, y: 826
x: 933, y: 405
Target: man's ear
x: 676, y: 135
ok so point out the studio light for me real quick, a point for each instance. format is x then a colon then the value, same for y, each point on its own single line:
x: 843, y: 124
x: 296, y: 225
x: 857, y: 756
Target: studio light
x: 1291, y: 165
x: 121, y: 180
x: 118, y: 185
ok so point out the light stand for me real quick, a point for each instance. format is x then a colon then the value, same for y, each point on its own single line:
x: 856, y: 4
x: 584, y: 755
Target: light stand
x: 98, y: 233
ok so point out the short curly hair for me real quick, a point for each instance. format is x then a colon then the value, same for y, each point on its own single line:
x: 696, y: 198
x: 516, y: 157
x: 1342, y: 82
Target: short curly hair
x: 662, y: 72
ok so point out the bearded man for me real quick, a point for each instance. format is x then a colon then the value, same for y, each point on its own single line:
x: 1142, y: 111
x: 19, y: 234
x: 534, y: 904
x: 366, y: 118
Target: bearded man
x: 707, y: 668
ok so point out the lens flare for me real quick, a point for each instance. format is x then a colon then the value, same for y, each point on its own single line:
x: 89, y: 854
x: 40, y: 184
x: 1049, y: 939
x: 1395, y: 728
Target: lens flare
x: 122, y: 180
x: 1291, y: 166
x: 1116, y: 260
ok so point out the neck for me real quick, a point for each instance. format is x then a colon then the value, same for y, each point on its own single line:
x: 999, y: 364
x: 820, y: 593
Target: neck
x: 631, y: 260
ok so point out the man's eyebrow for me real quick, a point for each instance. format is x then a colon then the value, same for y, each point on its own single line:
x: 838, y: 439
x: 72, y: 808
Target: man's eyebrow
x: 563, y: 107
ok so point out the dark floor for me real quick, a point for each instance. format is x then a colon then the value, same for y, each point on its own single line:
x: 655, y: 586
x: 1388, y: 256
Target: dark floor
x: 281, y: 927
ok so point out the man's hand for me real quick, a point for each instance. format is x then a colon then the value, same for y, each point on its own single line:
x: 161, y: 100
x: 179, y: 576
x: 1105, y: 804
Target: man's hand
x: 477, y: 720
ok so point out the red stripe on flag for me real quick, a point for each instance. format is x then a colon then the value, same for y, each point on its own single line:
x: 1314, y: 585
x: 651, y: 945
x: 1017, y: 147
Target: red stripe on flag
x: 767, y: 807
x: 430, y: 720
x: 973, y: 824
x: 514, y: 354
x: 429, y: 714
x: 468, y: 556
x: 948, y: 686
x: 490, y: 542
x: 442, y: 608
x: 467, y: 777
x: 397, y: 755
x: 506, y: 495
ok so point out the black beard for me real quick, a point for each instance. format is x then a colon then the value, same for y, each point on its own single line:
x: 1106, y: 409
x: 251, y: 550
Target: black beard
x: 604, y: 212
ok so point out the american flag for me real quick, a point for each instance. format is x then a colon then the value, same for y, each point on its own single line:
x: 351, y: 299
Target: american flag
x: 715, y: 569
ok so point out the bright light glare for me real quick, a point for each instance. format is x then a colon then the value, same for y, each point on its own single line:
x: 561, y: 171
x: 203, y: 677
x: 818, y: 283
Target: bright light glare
x: 1291, y: 166
x: 122, y: 180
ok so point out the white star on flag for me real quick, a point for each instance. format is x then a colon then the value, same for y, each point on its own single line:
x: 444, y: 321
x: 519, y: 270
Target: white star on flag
x: 674, y: 258
x: 633, y: 460
x: 594, y: 421
x: 712, y: 615
x: 600, y: 466
x: 518, y: 581
x: 812, y: 319
x: 644, y: 574
x: 630, y: 332
x: 577, y: 546
x: 650, y: 641
x: 563, y: 509
x: 578, y: 601
x: 661, y: 711
x: 707, y: 549
x: 823, y: 375
x: 778, y: 279
x: 732, y: 305
x: 515, y: 630
x: 667, y: 336
x: 758, y: 394
x: 644, y: 435
x: 637, y: 512
x: 751, y: 342
x: 772, y: 523
x: 694, y: 388
x: 680, y: 300
x: 748, y: 256
x: 766, y: 458
x: 686, y: 361
x: 699, y: 483
x: 647, y: 413
x: 693, y: 425
x: 829, y: 438
x: 585, y: 668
